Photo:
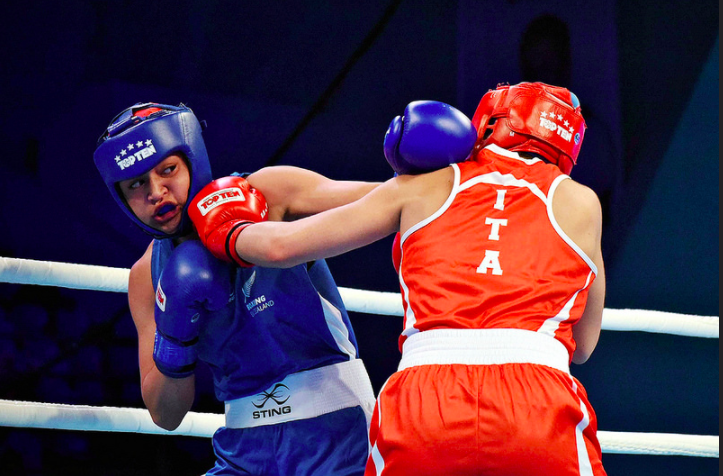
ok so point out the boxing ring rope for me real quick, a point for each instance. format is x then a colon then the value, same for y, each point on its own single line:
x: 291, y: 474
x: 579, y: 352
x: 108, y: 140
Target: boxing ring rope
x: 137, y: 420
x: 113, y: 419
x: 101, y: 278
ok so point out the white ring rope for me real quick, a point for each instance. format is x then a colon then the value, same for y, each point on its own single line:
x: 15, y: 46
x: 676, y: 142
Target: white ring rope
x: 113, y: 419
x: 136, y: 420
x: 101, y: 278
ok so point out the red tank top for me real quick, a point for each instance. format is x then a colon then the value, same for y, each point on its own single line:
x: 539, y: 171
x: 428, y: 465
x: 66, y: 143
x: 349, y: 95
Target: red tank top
x: 493, y: 256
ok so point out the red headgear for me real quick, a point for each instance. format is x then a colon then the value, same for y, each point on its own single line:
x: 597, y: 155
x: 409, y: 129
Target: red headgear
x: 532, y: 117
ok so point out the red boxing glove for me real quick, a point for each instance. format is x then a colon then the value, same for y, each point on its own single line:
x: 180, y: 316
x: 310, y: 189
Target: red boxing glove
x: 221, y: 210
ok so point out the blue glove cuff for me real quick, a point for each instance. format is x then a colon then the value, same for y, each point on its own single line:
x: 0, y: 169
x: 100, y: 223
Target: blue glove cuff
x: 174, y: 358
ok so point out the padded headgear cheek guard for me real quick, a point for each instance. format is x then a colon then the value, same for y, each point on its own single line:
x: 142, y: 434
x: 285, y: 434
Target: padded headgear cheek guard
x: 532, y: 117
x: 141, y: 137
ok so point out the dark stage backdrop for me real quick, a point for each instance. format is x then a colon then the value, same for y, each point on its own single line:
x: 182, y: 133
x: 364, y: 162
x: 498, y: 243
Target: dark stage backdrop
x: 315, y: 85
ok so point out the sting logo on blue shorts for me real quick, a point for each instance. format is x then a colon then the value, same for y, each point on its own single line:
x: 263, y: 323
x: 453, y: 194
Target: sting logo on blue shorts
x: 279, y: 395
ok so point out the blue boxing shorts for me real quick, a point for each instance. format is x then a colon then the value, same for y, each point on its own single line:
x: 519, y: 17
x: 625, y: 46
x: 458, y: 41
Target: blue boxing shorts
x: 333, y: 444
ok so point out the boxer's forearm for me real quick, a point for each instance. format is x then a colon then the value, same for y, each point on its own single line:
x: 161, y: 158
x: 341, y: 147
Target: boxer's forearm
x: 336, y: 231
x: 168, y: 399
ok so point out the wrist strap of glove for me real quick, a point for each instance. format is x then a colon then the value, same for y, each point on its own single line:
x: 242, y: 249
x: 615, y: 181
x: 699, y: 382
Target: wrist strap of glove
x: 231, y: 237
x: 174, y: 358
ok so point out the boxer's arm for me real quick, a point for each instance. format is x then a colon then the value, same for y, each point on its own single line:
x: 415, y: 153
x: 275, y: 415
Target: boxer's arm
x: 327, y: 234
x: 292, y: 192
x: 167, y: 399
x: 393, y: 206
x: 578, y: 212
x: 587, y: 331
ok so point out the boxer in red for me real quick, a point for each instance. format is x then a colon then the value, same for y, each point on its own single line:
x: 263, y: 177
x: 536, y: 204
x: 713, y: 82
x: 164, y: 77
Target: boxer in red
x: 502, y: 281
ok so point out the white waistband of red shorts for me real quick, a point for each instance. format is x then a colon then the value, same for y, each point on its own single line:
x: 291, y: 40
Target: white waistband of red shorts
x: 483, y: 347
x: 306, y: 394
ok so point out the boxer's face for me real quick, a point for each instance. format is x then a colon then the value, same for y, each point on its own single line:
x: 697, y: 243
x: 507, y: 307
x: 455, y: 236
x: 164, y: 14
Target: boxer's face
x: 157, y: 197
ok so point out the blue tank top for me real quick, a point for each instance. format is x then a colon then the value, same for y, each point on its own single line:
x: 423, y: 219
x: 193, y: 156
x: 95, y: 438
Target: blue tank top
x: 281, y: 321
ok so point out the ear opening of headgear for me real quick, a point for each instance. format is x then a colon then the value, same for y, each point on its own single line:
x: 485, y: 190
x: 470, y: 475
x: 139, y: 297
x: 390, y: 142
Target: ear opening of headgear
x: 532, y: 117
x: 141, y: 137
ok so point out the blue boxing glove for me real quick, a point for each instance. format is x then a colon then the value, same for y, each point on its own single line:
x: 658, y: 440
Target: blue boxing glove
x: 430, y: 136
x: 192, y: 284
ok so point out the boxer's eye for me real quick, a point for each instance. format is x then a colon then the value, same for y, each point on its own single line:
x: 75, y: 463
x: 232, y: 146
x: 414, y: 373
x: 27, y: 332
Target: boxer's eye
x: 135, y: 184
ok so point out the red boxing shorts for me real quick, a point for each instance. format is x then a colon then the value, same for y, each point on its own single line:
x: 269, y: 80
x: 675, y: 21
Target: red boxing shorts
x: 493, y: 405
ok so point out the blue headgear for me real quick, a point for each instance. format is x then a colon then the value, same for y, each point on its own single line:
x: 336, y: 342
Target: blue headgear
x: 139, y: 138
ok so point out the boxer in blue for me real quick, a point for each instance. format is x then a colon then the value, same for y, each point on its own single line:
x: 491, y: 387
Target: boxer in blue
x: 279, y: 343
